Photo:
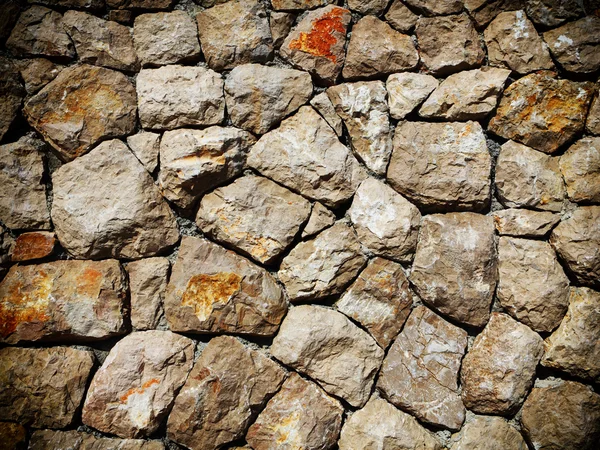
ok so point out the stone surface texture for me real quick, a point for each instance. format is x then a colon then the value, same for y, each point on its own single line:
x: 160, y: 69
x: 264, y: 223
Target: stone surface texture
x: 37, y: 73
x: 524, y: 222
x: 147, y: 286
x: 408, y: 90
x: 77, y: 440
x: 489, y: 433
x: 33, y: 245
x: 575, y: 45
x: 145, y: 146
x: 320, y: 218
x: 11, y: 94
x: 580, y: 168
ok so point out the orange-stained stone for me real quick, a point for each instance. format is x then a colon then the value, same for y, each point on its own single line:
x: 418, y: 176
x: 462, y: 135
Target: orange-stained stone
x: 319, y: 40
x: 34, y: 245
x: 203, y: 291
x: 139, y: 390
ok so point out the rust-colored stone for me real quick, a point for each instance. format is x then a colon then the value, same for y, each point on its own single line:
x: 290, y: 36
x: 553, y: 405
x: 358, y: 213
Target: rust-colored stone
x: 34, y: 245
x: 319, y: 40
x: 203, y: 291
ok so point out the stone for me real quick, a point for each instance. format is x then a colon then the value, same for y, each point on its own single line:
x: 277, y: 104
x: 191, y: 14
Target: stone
x: 145, y: 146
x: 22, y: 188
x: 76, y: 440
x: 8, y: 18
x: 122, y: 16
x: 140, y: 4
x: 259, y: 97
x: 13, y: 436
x: 372, y: 7
x: 528, y: 178
x: 436, y: 7
x: 101, y: 42
x: 376, y: 49
x: 147, y: 288
x: 193, y: 162
x: 420, y: 371
x: 300, y: 415
x: 39, y: 32
x: 575, y: 45
x: 176, y: 96
x: 576, y: 239
x: 449, y: 44
x: 385, y: 222
x: 455, y: 266
x: 33, y: 245
x: 488, y: 433
x: 106, y: 205
x: 166, y: 38
x: 317, y: 43
x: 484, y: 11
x: 78, y: 4
x: 592, y: 124
x: 364, y: 110
x: 468, y: 95
x: 43, y: 387
x: 513, y: 42
x: 38, y: 72
x: 379, y: 300
x: 281, y: 24
x: 325, y: 108
x: 408, y: 90
x: 7, y: 243
x: 234, y: 33
x: 293, y: 5
x: 499, y: 368
x: 226, y: 388
x: 320, y: 218
x: 524, y: 222
x: 580, y: 168
x: 82, y: 106
x: 550, y: 13
x: 11, y: 94
x: 254, y: 215
x: 134, y: 390
x: 400, y: 17
x: 542, y: 112
x: 381, y: 426
x: 574, y: 348
x: 532, y: 286
x: 214, y: 290
x: 323, y: 266
x: 441, y: 166
x: 562, y: 417
x: 326, y: 346
x: 305, y: 155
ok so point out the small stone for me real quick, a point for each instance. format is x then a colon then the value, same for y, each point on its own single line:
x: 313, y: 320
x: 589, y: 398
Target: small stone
x: 562, y: 417
x: 101, y: 42
x: 385, y: 222
x: 484, y: 11
x: 499, y: 369
x: 406, y: 91
x: 420, y: 372
x: 76, y: 440
x: 576, y: 45
x: 305, y: 155
x: 106, y: 205
x: 436, y: 7
x: 300, y: 416
x: 449, y: 44
x: 524, y: 222
x: 258, y: 97
x: 122, y: 16
x: 147, y: 287
x: 372, y: 7
x: 134, y: 390
x: 542, y: 112
x: 293, y: 5
x: 317, y: 43
x: 82, y: 106
x: 281, y: 24
x: 33, y: 245
x: 488, y: 433
x: 43, y: 387
x: 145, y: 146
x: 194, y: 161
x: 468, y: 95
x: 166, y: 38
x: 323, y: 266
x: 528, y: 178
x: 455, y: 265
x: 376, y: 49
x: 140, y: 4
x: 400, y: 17
x: 592, y: 124
x: 513, y: 42
x: 11, y: 94
x: 580, y: 168
x: 320, y: 218
x: 177, y: 96
x: 214, y: 290
x: 324, y: 107
x: 37, y: 73
x: 441, y: 166
x: 550, y: 13
x: 331, y: 350
x: 379, y: 300
x: 13, y: 436
x: 381, y: 426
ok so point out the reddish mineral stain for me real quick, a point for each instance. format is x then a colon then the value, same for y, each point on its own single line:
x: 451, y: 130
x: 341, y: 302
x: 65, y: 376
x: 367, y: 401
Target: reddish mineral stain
x: 320, y: 39
x: 204, y: 290
x: 88, y: 282
x: 139, y: 390
x: 34, y: 245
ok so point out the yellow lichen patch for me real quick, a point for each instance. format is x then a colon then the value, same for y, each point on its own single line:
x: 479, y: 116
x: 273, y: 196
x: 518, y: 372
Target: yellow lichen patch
x: 203, y: 291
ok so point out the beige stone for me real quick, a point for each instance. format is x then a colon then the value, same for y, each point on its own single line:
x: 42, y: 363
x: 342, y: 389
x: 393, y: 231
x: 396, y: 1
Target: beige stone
x: 323, y: 105
x: 76, y: 440
x: 320, y: 218
x: 580, y: 168
x: 37, y: 73
x: 147, y: 287
x: 145, y: 146
x: 400, y: 17
x: 488, y: 433
x: 373, y: 7
x: 524, y: 222
x: 576, y: 45
x: 408, y: 90
x: 281, y: 24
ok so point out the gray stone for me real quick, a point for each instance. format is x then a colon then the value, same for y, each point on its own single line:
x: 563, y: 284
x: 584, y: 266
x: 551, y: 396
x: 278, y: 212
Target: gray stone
x: 580, y: 168
x: 145, y: 146
x: 406, y: 91
x: 488, y: 433
x: 524, y: 222
x: 324, y: 107
x: 320, y: 218
x: 147, y: 287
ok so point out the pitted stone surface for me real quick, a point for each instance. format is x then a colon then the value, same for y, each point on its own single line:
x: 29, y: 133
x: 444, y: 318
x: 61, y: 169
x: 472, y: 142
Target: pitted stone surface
x: 592, y: 124
x: 484, y: 11
x: 550, y: 13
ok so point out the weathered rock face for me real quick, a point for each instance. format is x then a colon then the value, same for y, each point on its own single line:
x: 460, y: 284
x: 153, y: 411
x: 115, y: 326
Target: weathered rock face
x: 542, y: 112
x: 281, y: 24
x: 294, y: 5
x: 141, y: 4
x: 13, y: 435
x: 400, y: 17
x: 436, y: 7
x: 227, y: 386
x: 550, y: 13
x: 76, y: 440
x: 441, y: 166
x: 499, y: 369
x: 37, y: 73
x: 455, y: 265
x: 215, y: 290
x: 524, y: 222
x: 145, y: 146
x: 75, y: 300
x: 106, y: 205
x: 324, y: 107
x: 43, y: 387
x: 406, y: 91
x: 592, y: 124
x: 373, y: 7
x: 580, y: 168
x: 80, y: 4
x: 300, y: 415
x: 258, y: 97
x: 82, y: 106
x: 33, y: 245
x: 575, y: 45
x: 330, y: 349
x: 147, y: 287
x: 484, y: 11
x: 320, y: 218
x: 135, y: 388
x: 11, y: 94
x: 488, y: 433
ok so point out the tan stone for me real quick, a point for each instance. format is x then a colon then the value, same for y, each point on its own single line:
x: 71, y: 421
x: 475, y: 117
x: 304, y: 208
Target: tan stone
x: 576, y: 45
x: 580, y: 167
x: 281, y: 24
x: 524, y: 222
x: 320, y: 218
x: 147, y: 287
x: 488, y: 433
x: 400, y: 17
x: 145, y: 146
x: 550, y: 13
x: 11, y: 94
x: 323, y: 105
x: 408, y: 90
x: 37, y: 73
x: 33, y: 245
x: 592, y: 124
x: 484, y: 11
x: 76, y: 440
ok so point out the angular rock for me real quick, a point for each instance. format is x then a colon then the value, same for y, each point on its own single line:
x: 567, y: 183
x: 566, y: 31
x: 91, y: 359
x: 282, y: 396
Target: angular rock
x: 258, y: 97
x: 592, y: 124
x: 76, y: 440
x: 194, y: 161
x: 330, y: 349
x: 215, y: 290
x: 79, y: 4
x: 420, y: 371
x: 484, y: 11
x: 300, y: 416
x: 82, y: 106
x: 499, y: 369
x: 576, y: 45
x: 550, y: 13
x: 324, y: 107
x: 281, y: 24
x: 580, y: 168
x: 11, y: 94
x: 542, y: 112
x: 38, y: 72
x: 43, y: 387
x: 122, y: 16
x: 13, y: 435
x: 320, y: 218
x: 400, y: 17
x: 7, y: 243
x: 227, y: 387
x: 33, y: 245
x: 293, y: 5
x: 134, y: 390
x: 441, y: 166
x: 140, y: 4
x: 524, y: 222
x: 436, y: 7
x: 145, y: 146
x: 177, y: 96
x: 455, y: 265
x: 147, y: 287
x: 372, y: 7
x: 406, y: 91
x: 488, y: 433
